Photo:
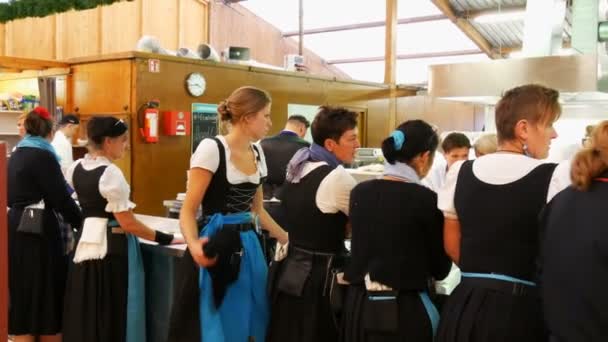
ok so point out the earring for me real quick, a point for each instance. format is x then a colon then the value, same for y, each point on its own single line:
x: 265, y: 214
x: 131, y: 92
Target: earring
x: 525, y: 149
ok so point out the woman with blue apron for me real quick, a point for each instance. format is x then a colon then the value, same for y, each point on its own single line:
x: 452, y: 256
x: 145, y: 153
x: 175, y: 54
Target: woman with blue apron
x: 396, y: 245
x: 491, y: 207
x: 105, y: 290
x: 221, y: 294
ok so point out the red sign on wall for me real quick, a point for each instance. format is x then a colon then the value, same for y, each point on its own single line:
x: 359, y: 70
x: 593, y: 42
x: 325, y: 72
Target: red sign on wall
x: 153, y: 65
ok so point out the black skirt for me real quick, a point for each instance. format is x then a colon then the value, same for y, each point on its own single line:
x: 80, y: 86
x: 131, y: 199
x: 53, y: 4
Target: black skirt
x: 37, y: 275
x: 96, y: 296
x: 412, y: 321
x: 307, y: 317
x: 474, y: 314
x: 184, y: 324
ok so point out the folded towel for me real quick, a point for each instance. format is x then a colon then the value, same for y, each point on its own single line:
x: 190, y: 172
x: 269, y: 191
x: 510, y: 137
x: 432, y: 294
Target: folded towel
x: 93, y: 242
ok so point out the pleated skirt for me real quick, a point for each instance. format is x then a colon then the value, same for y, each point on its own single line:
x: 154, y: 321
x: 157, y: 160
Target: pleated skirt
x: 307, y: 317
x: 96, y: 297
x: 473, y: 314
x: 413, y: 322
x: 37, y: 276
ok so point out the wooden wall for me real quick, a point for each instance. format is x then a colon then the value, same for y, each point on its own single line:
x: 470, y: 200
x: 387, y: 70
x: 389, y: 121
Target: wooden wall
x: 447, y: 115
x: 102, y: 88
x: 107, y: 29
x: 237, y: 26
x: 159, y: 170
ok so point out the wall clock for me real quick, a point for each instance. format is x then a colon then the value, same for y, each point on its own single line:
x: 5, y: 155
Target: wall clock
x: 195, y: 84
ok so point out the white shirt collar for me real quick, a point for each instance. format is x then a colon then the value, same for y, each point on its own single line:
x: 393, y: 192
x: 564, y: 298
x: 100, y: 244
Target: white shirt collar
x: 95, y: 160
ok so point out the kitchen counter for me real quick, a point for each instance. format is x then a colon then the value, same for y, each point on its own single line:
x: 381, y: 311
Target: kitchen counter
x: 162, y: 266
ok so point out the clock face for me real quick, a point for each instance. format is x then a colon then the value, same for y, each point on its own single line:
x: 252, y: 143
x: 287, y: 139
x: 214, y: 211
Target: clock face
x: 195, y: 83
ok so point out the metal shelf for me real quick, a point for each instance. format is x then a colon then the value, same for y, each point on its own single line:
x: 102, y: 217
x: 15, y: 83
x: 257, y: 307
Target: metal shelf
x: 15, y: 112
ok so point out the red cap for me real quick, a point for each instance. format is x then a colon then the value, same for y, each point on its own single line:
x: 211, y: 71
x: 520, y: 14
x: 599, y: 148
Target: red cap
x: 42, y: 112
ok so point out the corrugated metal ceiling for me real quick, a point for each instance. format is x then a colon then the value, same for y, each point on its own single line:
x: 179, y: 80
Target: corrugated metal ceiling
x: 476, y: 5
x: 505, y: 34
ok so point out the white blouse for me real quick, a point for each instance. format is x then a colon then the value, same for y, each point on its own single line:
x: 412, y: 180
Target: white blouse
x: 112, y: 185
x: 498, y: 169
x: 207, y: 156
x: 333, y: 194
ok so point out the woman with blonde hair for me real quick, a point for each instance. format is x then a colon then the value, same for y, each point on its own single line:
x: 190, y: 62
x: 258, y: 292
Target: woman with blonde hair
x: 222, y: 293
x: 575, y: 247
x: 485, y: 144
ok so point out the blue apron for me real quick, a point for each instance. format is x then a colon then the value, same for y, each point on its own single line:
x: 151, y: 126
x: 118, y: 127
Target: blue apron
x: 136, y: 291
x: 245, y: 309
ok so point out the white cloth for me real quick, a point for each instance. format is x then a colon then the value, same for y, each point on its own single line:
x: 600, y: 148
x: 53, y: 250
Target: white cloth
x: 435, y: 179
x: 207, y: 156
x: 63, y: 148
x: 280, y: 251
x: 371, y: 285
x: 93, y: 243
x: 498, y: 169
x: 112, y: 185
x: 333, y: 194
x: 449, y: 283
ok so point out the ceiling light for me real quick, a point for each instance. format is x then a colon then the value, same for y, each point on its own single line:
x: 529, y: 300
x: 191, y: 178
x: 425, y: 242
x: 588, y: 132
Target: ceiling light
x: 499, y: 17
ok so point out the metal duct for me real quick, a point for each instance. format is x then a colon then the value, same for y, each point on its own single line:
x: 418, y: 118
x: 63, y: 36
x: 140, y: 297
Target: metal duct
x: 580, y: 78
x: 543, y: 27
x: 585, y: 19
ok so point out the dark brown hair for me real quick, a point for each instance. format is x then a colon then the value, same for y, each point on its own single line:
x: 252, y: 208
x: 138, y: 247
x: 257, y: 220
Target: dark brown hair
x: 243, y: 102
x: 36, y: 125
x: 592, y: 160
x: 419, y: 138
x: 101, y: 127
x: 455, y: 140
x: 331, y: 123
x: 532, y: 102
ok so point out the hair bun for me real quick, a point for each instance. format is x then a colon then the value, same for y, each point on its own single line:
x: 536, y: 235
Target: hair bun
x: 224, y: 111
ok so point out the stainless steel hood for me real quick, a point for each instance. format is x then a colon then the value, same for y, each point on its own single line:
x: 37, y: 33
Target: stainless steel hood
x: 579, y: 78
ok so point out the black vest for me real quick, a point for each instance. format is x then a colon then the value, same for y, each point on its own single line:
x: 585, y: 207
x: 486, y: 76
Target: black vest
x: 224, y: 197
x: 499, y: 224
x: 308, y: 227
x: 278, y: 151
x: 86, y: 185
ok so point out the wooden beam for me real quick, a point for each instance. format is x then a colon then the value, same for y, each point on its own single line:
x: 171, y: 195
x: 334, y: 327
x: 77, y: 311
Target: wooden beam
x: 390, y: 47
x: 465, y: 26
x: 506, y: 50
x: 8, y: 70
x: 34, y: 73
x: 390, y: 61
x: 472, y: 14
x: 29, y: 64
x: 406, y: 56
x: 404, y: 21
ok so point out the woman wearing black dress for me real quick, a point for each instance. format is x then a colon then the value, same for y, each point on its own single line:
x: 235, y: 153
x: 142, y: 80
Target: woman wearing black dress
x: 491, y: 207
x: 104, y: 293
x: 37, y: 263
x: 574, y: 272
x: 397, y: 244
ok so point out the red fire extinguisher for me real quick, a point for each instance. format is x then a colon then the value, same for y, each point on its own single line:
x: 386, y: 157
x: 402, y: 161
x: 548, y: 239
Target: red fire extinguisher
x: 148, y: 117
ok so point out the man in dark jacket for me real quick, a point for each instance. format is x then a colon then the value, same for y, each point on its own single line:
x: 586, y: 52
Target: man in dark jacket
x: 278, y: 151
